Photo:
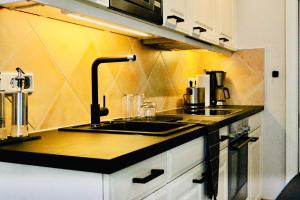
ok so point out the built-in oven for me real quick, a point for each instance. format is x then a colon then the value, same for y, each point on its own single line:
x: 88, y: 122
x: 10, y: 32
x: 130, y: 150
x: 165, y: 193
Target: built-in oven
x: 238, y: 161
x: 150, y: 10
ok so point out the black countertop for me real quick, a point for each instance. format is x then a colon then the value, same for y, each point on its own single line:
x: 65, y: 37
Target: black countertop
x: 106, y: 153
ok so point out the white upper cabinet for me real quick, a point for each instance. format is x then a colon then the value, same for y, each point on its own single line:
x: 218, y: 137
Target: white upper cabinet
x: 202, y: 19
x: 226, y: 22
x: 175, y: 15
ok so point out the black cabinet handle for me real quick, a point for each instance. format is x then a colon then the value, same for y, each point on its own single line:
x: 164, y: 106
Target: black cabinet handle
x: 223, y: 138
x: 178, y: 19
x: 201, y: 30
x: 224, y: 39
x: 154, y: 174
x: 254, y: 139
x: 199, y: 181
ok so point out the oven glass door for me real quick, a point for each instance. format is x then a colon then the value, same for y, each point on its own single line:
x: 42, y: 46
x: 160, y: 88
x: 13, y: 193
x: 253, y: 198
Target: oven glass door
x: 238, y: 169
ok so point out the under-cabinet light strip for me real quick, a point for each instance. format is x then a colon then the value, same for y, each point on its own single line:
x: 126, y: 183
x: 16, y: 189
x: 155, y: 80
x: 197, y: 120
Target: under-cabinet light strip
x: 108, y: 25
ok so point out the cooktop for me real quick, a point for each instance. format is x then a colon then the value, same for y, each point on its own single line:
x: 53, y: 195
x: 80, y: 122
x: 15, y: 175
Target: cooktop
x: 203, y: 112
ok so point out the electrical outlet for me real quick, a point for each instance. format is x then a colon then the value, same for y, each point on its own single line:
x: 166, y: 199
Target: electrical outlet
x: 8, y: 82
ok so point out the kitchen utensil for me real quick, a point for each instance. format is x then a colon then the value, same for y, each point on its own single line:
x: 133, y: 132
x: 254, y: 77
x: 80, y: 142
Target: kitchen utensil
x: 194, y: 96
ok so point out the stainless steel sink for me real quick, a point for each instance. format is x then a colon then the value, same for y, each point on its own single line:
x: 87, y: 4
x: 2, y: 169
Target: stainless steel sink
x: 133, y: 127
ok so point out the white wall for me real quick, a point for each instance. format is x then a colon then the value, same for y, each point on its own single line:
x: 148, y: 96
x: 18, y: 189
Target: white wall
x: 261, y: 23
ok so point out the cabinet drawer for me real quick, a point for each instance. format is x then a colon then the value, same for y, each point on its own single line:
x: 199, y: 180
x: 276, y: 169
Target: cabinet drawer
x: 256, y: 133
x: 255, y: 121
x: 185, y: 157
x: 224, y: 132
x: 120, y: 185
x: 161, y: 194
x: 223, y: 175
x: 223, y: 157
x: 183, y: 188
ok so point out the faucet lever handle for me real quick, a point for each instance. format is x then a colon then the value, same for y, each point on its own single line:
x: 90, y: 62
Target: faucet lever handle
x: 104, y: 101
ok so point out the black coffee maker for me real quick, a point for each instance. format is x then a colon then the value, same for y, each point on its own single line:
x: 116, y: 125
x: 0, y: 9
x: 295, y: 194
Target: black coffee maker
x: 218, y: 93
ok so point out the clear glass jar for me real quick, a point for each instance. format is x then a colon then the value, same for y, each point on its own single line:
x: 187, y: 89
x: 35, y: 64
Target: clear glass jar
x: 148, y: 109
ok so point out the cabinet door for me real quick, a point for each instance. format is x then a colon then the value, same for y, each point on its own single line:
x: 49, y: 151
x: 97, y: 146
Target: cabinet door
x: 223, y: 175
x: 202, y: 14
x: 175, y: 16
x: 123, y: 184
x: 28, y: 182
x: 226, y: 13
x: 161, y: 194
x: 183, y: 188
x: 254, y: 164
x: 191, y: 152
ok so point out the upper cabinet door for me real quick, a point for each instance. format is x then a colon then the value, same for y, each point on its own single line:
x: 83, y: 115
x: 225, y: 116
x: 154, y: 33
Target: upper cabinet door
x: 226, y: 17
x: 202, y: 14
x: 175, y: 14
x: 226, y: 22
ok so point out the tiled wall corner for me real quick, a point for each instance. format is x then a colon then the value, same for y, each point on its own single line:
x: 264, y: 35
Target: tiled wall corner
x: 61, y: 54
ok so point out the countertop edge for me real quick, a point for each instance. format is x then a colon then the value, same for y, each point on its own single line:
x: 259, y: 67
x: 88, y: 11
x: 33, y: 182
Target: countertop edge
x: 113, y: 165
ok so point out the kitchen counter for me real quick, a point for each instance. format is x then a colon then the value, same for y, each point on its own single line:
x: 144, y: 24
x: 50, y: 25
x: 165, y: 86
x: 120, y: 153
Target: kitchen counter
x: 215, y: 122
x: 106, y: 153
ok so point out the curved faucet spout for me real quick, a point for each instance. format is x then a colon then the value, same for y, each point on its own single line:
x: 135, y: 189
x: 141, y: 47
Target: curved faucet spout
x: 96, y: 111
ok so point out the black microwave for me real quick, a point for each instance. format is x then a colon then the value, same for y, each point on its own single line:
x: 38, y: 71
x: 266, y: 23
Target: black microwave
x: 149, y: 10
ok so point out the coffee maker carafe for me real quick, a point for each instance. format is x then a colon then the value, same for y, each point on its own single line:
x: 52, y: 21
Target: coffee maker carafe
x: 218, y: 93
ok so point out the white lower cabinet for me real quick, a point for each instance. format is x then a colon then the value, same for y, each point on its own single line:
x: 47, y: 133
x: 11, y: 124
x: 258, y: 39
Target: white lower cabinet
x: 137, y: 181
x: 223, y: 175
x: 183, y: 188
x: 27, y: 182
x: 189, y: 186
x: 184, y: 157
x: 174, y: 182
x: 255, y: 166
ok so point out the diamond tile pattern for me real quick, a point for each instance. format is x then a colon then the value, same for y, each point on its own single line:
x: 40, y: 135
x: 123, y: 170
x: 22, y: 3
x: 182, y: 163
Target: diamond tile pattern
x: 61, y: 54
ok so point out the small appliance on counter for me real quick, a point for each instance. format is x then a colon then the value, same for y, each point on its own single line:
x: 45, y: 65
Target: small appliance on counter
x: 17, y: 88
x: 203, y: 80
x: 19, y: 115
x: 194, y: 98
x: 218, y: 92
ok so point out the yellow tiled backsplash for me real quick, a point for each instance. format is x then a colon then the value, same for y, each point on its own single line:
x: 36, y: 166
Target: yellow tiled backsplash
x: 60, y: 56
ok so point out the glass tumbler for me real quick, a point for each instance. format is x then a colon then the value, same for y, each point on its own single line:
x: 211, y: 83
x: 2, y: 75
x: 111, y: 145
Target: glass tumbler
x: 138, y: 103
x: 128, y: 106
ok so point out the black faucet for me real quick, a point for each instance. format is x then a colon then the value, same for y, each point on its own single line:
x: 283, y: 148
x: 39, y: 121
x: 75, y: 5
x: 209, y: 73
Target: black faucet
x: 96, y: 111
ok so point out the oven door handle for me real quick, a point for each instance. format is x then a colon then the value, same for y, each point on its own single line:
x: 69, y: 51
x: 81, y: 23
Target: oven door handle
x: 242, y: 145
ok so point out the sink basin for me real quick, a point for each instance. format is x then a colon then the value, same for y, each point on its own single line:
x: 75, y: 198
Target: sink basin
x: 133, y: 127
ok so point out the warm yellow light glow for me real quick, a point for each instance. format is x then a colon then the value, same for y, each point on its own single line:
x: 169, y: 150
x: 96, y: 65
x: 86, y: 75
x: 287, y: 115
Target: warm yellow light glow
x: 108, y: 25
